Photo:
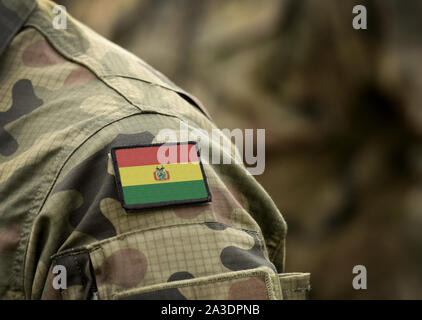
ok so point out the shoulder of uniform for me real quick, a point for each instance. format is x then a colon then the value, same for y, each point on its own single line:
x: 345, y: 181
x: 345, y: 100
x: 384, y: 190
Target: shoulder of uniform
x: 79, y: 43
x: 106, y: 60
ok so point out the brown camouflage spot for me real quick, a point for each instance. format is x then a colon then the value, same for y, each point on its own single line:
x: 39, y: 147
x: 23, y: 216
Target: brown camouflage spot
x: 251, y: 289
x: 9, y: 238
x: 223, y: 203
x: 41, y: 54
x: 125, y: 268
x: 78, y: 76
x: 238, y: 197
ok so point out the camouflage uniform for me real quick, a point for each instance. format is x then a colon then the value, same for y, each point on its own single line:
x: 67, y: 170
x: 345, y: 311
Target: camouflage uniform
x: 67, y: 97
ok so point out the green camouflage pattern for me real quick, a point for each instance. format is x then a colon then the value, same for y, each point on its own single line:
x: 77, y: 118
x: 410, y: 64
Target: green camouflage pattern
x: 68, y: 97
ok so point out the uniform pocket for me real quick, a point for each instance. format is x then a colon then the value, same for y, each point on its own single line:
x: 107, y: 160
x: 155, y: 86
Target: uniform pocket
x: 205, y: 259
x: 255, y: 284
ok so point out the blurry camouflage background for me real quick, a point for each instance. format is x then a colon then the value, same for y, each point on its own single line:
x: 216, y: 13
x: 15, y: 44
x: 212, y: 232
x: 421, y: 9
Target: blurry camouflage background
x: 341, y: 109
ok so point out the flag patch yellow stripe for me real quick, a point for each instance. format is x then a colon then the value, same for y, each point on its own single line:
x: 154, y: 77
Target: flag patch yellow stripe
x: 173, y: 172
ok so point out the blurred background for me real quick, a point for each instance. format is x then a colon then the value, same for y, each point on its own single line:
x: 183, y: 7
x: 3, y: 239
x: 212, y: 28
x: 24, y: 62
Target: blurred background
x: 341, y: 109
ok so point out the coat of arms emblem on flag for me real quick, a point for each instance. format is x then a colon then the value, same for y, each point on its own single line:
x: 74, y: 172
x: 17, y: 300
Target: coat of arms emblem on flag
x: 161, y: 174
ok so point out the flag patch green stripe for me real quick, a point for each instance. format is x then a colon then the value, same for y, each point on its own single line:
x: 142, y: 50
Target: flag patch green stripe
x: 152, y: 193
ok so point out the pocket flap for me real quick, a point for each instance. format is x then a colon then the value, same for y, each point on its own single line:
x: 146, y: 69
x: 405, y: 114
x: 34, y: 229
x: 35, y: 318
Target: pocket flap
x: 255, y: 284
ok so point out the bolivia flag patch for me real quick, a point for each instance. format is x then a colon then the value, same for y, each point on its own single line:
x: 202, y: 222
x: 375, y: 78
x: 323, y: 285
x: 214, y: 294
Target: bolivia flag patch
x: 159, y: 175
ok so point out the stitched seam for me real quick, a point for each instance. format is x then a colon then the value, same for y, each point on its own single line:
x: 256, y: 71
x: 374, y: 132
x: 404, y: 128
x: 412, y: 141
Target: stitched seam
x: 197, y: 282
x: 270, y: 286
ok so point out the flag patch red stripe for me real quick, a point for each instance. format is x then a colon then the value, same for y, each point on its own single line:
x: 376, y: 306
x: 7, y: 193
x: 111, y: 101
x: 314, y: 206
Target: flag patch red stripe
x: 142, y: 156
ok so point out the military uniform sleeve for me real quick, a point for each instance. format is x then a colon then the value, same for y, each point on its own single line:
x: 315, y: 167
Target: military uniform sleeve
x: 215, y: 250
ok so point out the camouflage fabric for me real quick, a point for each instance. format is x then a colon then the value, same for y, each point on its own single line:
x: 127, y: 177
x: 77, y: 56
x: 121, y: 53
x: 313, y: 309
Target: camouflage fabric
x: 68, y: 97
